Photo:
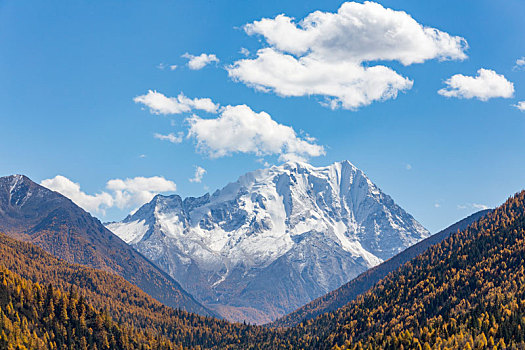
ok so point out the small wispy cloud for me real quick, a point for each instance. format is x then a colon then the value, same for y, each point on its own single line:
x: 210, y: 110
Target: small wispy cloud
x: 200, y: 61
x: 163, y: 66
x: 199, y: 174
x: 480, y: 206
x: 520, y: 105
x: 477, y: 206
x: 171, y: 137
x: 520, y: 64
x: 158, y: 103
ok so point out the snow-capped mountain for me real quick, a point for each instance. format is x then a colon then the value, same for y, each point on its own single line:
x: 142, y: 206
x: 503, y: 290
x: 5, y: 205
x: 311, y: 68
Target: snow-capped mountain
x: 273, y: 240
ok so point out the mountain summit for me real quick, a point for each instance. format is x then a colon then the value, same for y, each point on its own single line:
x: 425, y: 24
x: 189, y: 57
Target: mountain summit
x: 273, y: 240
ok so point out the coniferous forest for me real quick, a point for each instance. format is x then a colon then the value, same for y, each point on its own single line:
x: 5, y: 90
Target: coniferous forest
x: 467, y: 292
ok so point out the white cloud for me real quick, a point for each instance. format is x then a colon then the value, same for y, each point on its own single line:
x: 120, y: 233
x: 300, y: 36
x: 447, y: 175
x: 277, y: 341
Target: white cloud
x: 128, y: 193
x: 362, y: 32
x: 171, y: 137
x: 199, y: 174
x: 520, y: 64
x: 408, y: 166
x: 473, y: 206
x: 324, y: 54
x: 200, y: 61
x: 163, y: 66
x: 92, y: 203
x: 520, y: 105
x: 263, y: 162
x: 292, y: 157
x: 345, y: 84
x: 480, y: 206
x: 239, y: 129
x: 437, y: 205
x: 244, y: 51
x: 160, y: 104
x: 487, y: 84
x: 138, y: 190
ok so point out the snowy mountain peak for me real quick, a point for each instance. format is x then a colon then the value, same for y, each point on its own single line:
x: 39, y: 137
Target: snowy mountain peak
x: 314, y: 228
x: 17, y: 189
x: 13, y: 181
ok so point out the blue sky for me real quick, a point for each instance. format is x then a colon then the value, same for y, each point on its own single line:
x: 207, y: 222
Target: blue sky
x: 70, y: 72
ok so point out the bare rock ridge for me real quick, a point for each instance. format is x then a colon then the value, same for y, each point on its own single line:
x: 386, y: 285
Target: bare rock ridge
x: 274, y: 240
x: 35, y: 214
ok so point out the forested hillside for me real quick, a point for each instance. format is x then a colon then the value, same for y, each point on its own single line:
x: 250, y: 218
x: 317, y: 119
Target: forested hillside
x: 466, y: 292
x: 33, y: 316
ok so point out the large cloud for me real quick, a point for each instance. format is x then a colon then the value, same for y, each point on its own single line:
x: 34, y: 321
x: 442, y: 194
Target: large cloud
x: 487, y: 84
x: 329, y: 54
x: 160, y: 104
x: 344, y: 83
x: 238, y: 129
x: 124, y: 194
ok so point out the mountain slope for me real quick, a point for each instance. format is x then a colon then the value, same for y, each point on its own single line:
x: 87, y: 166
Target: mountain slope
x: 466, y: 292
x: 348, y: 292
x: 273, y: 240
x: 37, y: 317
x: 35, y: 214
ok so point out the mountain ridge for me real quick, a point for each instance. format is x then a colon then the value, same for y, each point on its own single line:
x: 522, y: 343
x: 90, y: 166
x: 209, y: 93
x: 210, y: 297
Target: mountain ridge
x: 35, y: 214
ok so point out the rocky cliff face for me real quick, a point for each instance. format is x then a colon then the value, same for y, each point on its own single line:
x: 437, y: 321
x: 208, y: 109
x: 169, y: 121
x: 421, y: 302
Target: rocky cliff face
x: 273, y: 240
